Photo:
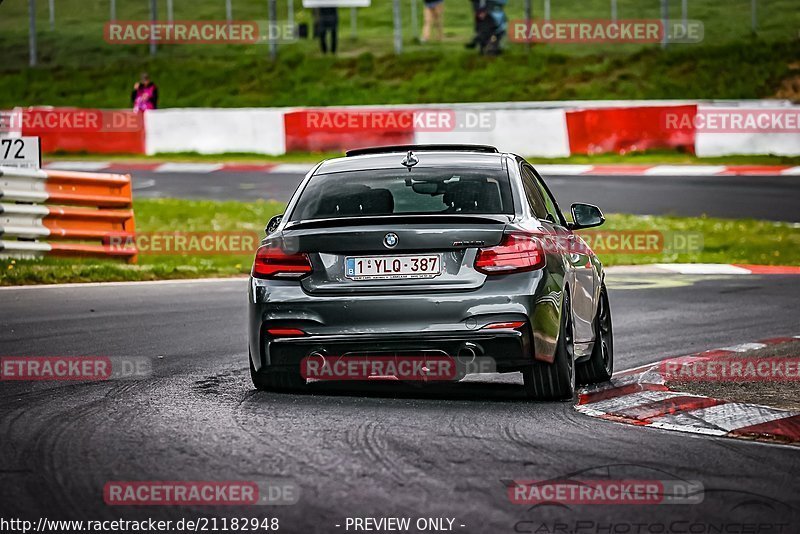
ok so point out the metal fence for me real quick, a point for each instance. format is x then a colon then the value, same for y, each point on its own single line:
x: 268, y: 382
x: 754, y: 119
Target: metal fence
x: 406, y: 14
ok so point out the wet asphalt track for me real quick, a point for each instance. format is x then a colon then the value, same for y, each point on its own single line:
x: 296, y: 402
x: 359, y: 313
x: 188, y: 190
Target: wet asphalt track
x: 382, y: 451
x: 759, y: 197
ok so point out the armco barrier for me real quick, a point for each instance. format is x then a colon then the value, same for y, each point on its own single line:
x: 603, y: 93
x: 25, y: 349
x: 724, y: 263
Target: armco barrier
x: 38, y: 213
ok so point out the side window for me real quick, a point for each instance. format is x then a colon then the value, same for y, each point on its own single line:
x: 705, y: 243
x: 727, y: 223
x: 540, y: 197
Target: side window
x: 535, y: 199
x: 550, y: 204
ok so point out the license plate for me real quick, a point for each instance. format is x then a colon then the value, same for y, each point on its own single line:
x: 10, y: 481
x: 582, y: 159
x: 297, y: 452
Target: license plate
x: 393, y: 267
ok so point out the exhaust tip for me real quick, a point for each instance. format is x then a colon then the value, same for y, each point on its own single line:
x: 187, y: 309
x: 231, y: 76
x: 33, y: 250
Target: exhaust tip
x: 319, y: 357
x: 467, y: 353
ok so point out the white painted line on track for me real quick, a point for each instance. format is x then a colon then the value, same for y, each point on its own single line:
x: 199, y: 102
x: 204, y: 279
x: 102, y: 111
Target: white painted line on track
x: 189, y: 167
x: 791, y: 171
x: 293, y: 168
x: 744, y: 347
x: 702, y: 268
x: 563, y: 170
x: 78, y: 165
x: 685, y: 170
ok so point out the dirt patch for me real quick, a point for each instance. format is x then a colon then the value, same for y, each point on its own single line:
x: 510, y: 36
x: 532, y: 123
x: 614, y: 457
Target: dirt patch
x: 790, y: 86
x: 778, y: 393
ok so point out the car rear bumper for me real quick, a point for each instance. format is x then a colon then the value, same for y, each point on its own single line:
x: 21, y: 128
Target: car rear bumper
x: 404, y: 324
x: 507, y: 349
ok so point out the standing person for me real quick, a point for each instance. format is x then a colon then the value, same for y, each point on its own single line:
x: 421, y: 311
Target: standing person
x: 145, y: 94
x: 328, y: 22
x: 434, y: 20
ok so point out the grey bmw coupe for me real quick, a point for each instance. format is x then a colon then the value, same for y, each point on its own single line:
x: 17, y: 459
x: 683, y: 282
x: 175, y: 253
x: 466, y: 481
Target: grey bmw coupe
x: 429, y: 251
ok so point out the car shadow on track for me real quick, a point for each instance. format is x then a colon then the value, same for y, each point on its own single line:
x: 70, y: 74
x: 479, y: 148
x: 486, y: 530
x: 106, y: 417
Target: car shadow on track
x: 497, y: 388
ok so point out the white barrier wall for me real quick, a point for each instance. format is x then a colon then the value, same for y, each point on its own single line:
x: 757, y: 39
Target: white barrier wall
x: 709, y: 143
x: 533, y: 132
x: 529, y: 128
x: 214, y: 131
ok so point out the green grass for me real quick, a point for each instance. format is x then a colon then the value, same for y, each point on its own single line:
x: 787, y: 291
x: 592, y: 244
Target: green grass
x: 744, y: 241
x: 78, y: 68
x: 724, y: 241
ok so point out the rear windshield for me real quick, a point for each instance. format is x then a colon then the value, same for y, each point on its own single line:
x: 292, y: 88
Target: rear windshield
x: 396, y: 192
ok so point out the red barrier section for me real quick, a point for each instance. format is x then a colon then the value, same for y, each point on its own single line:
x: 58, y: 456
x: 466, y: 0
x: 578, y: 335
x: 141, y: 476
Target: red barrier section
x: 341, y: 129
x: 621, y: 130
x: 92, y: 131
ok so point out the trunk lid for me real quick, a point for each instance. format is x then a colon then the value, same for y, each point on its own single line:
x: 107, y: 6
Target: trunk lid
x: 453, y: 239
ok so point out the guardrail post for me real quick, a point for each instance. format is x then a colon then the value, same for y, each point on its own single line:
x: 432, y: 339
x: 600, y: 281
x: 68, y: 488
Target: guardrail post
x: 153, y: 19
x: 398, y: 28
x: 32, y: 32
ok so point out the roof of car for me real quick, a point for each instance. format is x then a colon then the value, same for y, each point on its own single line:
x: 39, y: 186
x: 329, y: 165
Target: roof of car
x: 427, y: 158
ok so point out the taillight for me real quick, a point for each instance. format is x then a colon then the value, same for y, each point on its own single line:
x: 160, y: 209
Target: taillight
x: 516, y: 253
x: 285, y: 332
x: 273, y: 262
x: 510, y: 325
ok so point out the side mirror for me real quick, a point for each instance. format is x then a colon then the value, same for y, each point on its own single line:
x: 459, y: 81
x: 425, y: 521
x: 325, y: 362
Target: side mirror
x: 273, y: 223
x: 585, y: 216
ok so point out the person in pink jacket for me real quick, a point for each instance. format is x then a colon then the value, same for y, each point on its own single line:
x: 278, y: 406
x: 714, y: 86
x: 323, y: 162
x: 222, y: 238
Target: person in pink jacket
x: 145, y: 94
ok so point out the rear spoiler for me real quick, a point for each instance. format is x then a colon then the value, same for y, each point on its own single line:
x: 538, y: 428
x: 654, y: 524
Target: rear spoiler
x: 400, y: 219
x: 485, y: 149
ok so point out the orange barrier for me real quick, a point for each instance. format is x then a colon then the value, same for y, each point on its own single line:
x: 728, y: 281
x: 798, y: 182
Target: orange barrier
x: 105, y: 210
x: 89, y: 189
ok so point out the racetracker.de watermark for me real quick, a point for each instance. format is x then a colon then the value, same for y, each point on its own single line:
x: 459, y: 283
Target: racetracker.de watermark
x: 433, y: 368
x: 242, y: 32
x: 420, y: 120
x: 70, y: 121
x: 596, y: 31
x: 73, y: 368
x: 201, y: 493
x: 637, y: 242
x: 606, y: 492
x: 186, y: 243
x: 732, y: 369
x: 734, y: 120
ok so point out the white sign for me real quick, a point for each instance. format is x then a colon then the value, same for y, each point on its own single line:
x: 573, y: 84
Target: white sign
x: 20, y: 152
x: 335, y: 3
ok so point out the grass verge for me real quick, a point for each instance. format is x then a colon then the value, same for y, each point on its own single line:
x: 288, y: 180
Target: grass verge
x: 722, y: 241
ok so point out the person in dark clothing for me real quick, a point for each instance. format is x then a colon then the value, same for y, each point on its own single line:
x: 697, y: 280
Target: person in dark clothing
x: 328, y: 22
x: 490, y: 26
x: 145, y: 94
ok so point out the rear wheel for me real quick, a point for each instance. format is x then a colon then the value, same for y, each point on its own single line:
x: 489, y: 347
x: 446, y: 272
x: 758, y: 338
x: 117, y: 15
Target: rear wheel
x: 600, y: 366
x: 286, y: 380
x: 555, y: 381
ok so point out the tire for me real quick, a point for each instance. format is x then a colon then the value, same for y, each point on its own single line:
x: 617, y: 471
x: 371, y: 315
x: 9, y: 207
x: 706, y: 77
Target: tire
x: 600, y: 366
x: 555, y: 381
x: 286, y: 380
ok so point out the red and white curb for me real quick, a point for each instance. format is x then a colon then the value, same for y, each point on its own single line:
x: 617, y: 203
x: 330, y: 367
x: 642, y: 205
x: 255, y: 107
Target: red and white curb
x: 176, y: 168
x: 640, y: 397
x: 703, y: 269
x: 669, y: 170
x: 546, y: 169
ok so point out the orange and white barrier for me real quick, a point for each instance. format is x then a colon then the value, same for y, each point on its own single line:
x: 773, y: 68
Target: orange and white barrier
x: 64, y: 213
